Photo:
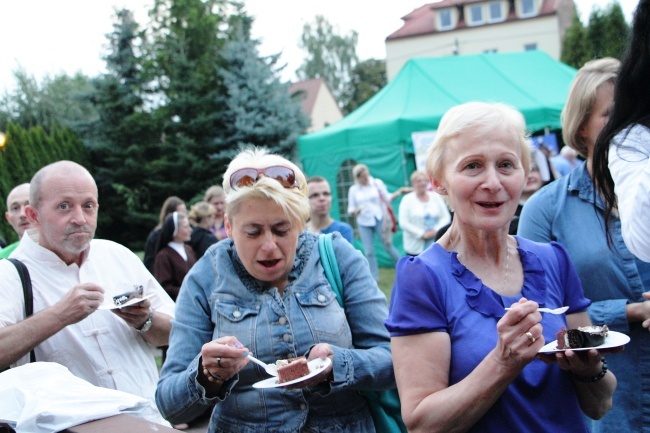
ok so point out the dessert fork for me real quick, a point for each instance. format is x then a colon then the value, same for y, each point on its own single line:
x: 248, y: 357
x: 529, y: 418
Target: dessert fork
x: 271, y: 369
x: 559, y: 310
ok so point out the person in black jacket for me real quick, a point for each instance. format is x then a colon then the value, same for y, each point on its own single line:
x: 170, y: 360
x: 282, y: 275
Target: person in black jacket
x: 202, y: 218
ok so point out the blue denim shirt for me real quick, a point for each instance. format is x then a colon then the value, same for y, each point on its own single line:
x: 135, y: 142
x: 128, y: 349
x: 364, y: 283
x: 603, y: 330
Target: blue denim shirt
x: 564, y: 212
x: 219, y: 298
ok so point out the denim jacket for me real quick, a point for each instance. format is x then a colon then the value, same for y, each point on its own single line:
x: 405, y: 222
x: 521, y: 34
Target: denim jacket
x: 219, y: 298
x: 564, y: 211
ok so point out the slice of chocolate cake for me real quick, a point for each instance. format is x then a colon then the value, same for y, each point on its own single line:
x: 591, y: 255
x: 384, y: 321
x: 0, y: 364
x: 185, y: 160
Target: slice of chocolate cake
x: 291, y: 369
x: 586, y: 336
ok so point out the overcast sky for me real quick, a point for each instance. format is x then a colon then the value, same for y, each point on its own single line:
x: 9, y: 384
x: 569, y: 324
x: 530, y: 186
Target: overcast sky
x: 49, y: 37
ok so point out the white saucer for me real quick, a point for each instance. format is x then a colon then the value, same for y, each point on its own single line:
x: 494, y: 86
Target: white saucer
x: 613, y: 339
x: 315, y: 366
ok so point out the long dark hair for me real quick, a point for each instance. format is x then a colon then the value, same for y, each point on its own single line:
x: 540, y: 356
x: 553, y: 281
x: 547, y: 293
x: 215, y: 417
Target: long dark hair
x: 169, y: 206
x: 631, y: 104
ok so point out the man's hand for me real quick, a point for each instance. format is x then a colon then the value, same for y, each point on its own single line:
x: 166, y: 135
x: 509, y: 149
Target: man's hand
x: 640, y: 311
x: 135, y: 315
x: 80, y: 302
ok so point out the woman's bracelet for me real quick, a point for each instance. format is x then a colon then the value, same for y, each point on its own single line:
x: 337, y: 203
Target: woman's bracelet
x: 592, y: 379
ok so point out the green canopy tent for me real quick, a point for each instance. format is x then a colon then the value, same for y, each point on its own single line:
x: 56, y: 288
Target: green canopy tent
x: 378, y: 133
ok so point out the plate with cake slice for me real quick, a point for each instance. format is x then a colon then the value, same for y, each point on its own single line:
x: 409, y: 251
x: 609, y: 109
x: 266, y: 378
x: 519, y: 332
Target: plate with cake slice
x: 114, y: 304
x: 586, y: 338
x: 294, y: 371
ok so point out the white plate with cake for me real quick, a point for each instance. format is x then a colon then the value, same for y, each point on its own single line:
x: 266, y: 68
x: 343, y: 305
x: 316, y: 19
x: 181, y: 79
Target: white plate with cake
x: 315, y: 366
x: 113, y: 306
x: 611, y: 339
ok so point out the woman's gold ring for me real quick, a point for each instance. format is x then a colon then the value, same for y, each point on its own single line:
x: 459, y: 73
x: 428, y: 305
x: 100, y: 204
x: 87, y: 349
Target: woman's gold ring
x: 530, y: 336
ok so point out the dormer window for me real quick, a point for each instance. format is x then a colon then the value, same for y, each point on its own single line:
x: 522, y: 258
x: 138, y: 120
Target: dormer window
x: 495, y: 12
x: 444, y: 20
x: 475, y: 15
x: 528, y: 8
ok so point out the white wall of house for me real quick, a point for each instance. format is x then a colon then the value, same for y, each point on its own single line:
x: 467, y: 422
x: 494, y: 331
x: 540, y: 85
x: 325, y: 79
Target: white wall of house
x: 543, y: 33
x: 325, y: 110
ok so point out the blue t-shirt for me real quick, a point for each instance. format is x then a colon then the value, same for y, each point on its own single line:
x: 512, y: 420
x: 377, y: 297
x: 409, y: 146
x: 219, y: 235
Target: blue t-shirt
x: 344, y: 228
x: 434, y: 292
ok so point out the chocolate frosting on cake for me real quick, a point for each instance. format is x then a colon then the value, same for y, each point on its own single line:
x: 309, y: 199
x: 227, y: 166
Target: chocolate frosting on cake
x: 586, y: 336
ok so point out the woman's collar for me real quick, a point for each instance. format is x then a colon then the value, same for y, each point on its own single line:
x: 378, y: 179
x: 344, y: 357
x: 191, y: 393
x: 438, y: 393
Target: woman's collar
x: 486, y: 301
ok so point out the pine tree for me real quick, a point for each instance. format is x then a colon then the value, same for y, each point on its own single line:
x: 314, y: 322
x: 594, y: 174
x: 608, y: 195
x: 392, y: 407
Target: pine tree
x: 259, y: 109
x: 188, y: 38
x: 605, y: 36
x: 124, y: 140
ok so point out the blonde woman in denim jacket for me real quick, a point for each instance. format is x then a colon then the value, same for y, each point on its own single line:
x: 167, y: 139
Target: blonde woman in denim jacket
x: 264, y: 291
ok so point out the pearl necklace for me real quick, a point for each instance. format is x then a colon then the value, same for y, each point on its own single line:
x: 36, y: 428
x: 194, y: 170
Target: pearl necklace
x: 505, y: 275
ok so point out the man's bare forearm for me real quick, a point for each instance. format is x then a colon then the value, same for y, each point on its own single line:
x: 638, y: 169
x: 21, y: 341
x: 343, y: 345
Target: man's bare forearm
x: 17, y: 340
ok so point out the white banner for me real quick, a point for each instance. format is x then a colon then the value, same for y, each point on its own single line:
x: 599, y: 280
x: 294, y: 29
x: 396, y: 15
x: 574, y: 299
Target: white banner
x: 421, y: 142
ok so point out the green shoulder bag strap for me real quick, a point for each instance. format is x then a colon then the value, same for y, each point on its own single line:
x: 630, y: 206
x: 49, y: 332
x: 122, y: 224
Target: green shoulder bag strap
x: 27, y: 293
x: 384, y: 405
x: 331, y: 266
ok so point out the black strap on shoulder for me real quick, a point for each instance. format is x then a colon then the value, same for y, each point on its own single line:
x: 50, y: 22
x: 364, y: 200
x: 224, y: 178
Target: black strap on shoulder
x: 27, y: 293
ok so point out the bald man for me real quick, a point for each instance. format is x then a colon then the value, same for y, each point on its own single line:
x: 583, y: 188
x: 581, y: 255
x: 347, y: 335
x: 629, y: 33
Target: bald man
x: 17, y: 202
x: 72, y: 276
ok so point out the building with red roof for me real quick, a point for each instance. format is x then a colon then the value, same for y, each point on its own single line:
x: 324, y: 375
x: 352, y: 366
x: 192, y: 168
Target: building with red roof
x: 317, y: 101
x: 451, y: 27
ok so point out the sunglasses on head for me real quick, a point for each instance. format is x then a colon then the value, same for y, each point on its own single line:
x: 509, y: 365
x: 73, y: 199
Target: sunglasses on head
x: 248, y: 176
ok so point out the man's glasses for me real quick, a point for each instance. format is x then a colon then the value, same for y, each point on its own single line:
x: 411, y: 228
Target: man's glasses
x: 248, y: 176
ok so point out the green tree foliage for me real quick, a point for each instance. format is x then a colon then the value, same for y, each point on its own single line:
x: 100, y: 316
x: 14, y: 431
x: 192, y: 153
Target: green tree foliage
x: 329, y: 55
x: 189, y: 36
x: 258, y: 108
x: 575, y: 48
x: 56, y: 101
x: 177, y: 99
x: 608, y: 31
x: 124, y: 140
x: 367, y: 78
x: 606, y: 35
x: 28, y: 150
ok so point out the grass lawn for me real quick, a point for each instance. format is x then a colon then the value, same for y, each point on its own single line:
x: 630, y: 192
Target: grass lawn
x: 386, y: 280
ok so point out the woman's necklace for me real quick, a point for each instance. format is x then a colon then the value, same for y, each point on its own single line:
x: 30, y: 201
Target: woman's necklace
x: 505, y: 275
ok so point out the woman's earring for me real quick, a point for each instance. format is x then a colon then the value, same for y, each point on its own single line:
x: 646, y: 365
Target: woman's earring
x: 444, y: 191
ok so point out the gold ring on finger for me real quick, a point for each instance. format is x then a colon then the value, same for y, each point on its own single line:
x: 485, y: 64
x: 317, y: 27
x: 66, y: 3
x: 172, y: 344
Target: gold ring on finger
x: 530, y: 336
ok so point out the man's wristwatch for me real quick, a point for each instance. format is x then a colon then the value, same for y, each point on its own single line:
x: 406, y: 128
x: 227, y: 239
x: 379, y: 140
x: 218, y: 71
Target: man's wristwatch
x: 147, y: 324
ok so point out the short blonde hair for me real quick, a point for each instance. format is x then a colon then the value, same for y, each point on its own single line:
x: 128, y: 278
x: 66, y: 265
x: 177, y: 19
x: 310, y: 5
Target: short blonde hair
x: 416, y: 174
x: 293, y: 201
x: 582, y: 97
x: 212, y: 192
x: 357, y: 170
x: 476, y: 118
x: 199, y: 211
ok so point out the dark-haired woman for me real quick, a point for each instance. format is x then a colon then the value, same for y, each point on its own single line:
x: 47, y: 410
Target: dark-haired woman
x: 622, y: 152
x: 202, y: 219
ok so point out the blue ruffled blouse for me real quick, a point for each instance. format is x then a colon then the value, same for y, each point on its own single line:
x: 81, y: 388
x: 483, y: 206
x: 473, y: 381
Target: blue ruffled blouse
x: 434, y: 292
